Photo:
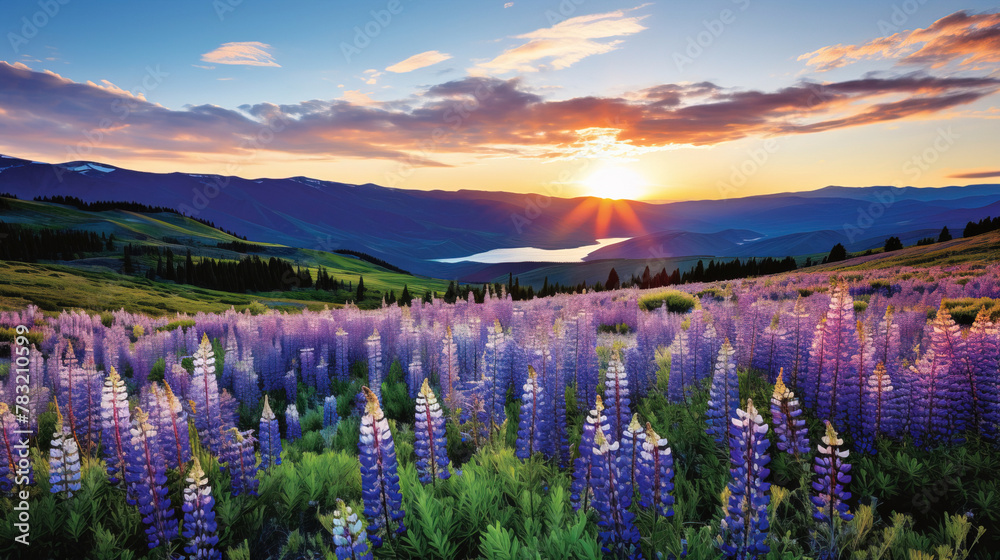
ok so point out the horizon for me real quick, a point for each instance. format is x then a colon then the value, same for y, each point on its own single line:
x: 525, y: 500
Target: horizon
x: 690, y: 104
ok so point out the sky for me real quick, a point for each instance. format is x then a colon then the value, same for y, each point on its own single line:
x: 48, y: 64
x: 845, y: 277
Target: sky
x: 663, y: 100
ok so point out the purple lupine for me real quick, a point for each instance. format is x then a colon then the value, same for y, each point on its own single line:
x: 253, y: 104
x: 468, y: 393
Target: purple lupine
x: 199, y: 516
x: 724, y: 397
x: 616, y: 394
x: 374, y: 346
x: 831, y: 480
x: 681, y: 375
x: 983, y: 346
x: 612, y: 499
x: 116, y: 419
x: 342, y: 369
x: 293, y: 429
x: 799, y: 342
x: 494, y: 379
x: 205, y: 398
x: 533, y: 422
x: 379, y: 477
x: 349, y: 536
x: 415, y: 373
x: 745, y: 527
x: 8, y: 449
x: 448, y: 376
x: 330, y: 418
x: 147, y: 482
x: 830, y: 369
x: 786, y: 415
x: 862, y: 363
x: 430, y: 445
x: 168, y: 417
x: 270, y: 438
x: 553, y: 384
x: 880, y: 409
x: 64, y: 461
x: 630, y: 458
x: 656, y: 474
x: 947, y: 340
x: 772, y: 339
x: 583, y: 467
x: 584, y: 354
x: 291, y: 386
x: 241, y: 462
x: 322, y: 376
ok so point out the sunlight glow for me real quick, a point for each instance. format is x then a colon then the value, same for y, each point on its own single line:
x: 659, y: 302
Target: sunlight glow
x: 616, y: 182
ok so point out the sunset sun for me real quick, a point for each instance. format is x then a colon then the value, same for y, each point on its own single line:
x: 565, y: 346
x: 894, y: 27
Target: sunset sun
x: 615, y: 182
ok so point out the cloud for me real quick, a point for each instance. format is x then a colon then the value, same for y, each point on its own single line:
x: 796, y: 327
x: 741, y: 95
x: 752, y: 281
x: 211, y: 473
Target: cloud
x: 508, y: 5
x: 418, y: 61
x: 976, y: 175
x: 42, y: 112
x: 565, y: 43
x: 250, y: 53
x: 966, y: 39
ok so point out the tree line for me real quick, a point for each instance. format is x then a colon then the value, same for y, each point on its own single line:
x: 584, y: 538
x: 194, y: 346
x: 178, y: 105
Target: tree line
x: 19, y: 243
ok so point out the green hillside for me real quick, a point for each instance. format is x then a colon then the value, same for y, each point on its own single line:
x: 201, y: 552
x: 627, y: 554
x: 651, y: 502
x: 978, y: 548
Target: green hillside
x: 94, y: 280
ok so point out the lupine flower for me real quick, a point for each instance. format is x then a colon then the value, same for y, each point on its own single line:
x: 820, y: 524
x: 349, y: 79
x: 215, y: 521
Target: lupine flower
x: 476, y: 425
x: 240, y: 460
x: 584, y: 465
x: 616, y: 394
x: 116, y: 418
x: 330, y: 418
x: 449, y: 368
x: 349, y: 536
x: 374, y: 346
x: 724, y: 397
x: 342, y: 366
x: 556, y: 445
x: 494, y: 379
x: 291, y: 386
x: 836, y: 388
x: 533, y: 423
x: 630, y: 458
x: 270, y: 438
x: 984, y: 354
x: 935, y: 393
x: 293, y: 429
x: 171, y: 424
x: 612, y: 499
x: 147, y: 482
x: 379, y: 478
x: 862, y: 363
x: 656, y: 474
x: 64, y: 461
x: 681, y: 374
x: 789, y: 427
x: 8, y: 452
x: 205, y: 397
x: 430, y: 445
x: 745, y: 527
x: 831, y: 480
x: 880, y: 409
x: 199, y: 516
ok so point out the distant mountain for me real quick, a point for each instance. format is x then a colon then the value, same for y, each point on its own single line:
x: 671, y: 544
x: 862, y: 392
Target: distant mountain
x: 409, y: 227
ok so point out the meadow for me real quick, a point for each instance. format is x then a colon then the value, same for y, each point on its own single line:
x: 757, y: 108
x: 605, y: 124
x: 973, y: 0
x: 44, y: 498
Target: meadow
x: 836, y: 414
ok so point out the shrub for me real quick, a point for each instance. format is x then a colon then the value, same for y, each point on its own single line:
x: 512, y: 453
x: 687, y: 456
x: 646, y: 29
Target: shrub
x: 677, y: 302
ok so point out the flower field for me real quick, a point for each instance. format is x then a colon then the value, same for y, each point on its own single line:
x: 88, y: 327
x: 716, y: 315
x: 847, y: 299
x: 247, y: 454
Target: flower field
x: 806, y: 415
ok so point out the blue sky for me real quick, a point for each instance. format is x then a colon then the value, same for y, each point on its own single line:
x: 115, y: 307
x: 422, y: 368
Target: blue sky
x: 614, y: 50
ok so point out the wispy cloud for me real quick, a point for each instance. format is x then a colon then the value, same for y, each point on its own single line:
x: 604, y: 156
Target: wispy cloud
x: 976, y: 175
x: 964, y: 38
x: 418, y: 61
x: 250, y: 53
x: 565, y: 43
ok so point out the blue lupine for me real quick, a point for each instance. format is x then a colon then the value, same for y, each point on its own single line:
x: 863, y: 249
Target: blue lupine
x: 270, y: 438
x: 786, y: 415
x: 616, y: 395
x: 831, y: 480
x: 349, y: 536
x: 833, y: 383
x: 171, y: 424
x: 880, y: 408
x: 724, y: 397
x: 494, y: 380
x: 330, y: 418
x: 116, y: 419
x: 374, y: 346
x: 293, y: 429
x: 199, y: 517
x: 584, y: 465
x: 205, y: 398
x: 656, y: 474
x: 984, y: 354
x: 630, y: 458
x: 342, y: 365
x: 379, y: 477
x: 241, y: 462
x: 291, y: 386
x: 430, y: 444
x: 64, y: 461
x: 532, y: 424
x: 745, y: 527
x: 147, y: 482
x: 612, y: 499
x: 934, y: 395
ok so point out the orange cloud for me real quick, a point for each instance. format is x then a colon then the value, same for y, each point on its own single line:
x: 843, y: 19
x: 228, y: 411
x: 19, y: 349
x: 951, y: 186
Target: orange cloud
x: 250, y: 53
x: 968, y: 39
x: 418, y: 61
